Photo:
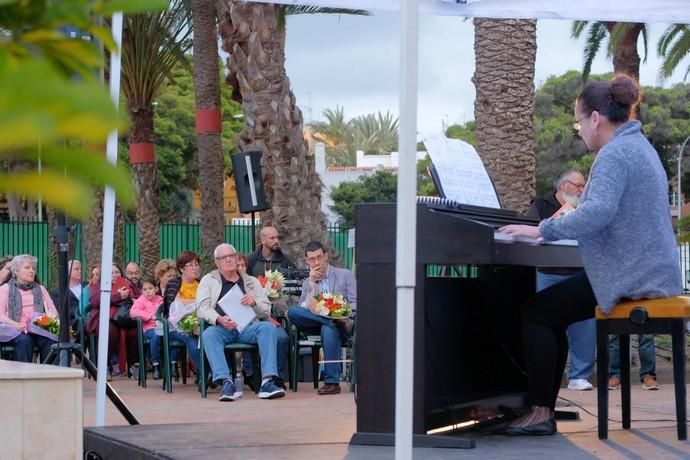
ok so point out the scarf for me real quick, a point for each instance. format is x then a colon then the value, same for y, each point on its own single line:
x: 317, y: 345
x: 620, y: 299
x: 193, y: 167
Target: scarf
x: 15, y: 298
x: 188, y: 290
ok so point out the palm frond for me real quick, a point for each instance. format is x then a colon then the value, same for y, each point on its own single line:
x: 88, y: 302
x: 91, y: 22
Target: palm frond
x: 595, y: 36
x: 674, y: 46
x: 577, y: 28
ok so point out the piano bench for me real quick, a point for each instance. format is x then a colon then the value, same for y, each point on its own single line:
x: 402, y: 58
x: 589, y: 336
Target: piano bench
x: 656, y: 316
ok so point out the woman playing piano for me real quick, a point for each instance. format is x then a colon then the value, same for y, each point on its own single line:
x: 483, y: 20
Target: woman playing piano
x: 625, y: 236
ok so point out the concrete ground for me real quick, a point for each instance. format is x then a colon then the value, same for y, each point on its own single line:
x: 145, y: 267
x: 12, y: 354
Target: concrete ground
x: 305, y: 425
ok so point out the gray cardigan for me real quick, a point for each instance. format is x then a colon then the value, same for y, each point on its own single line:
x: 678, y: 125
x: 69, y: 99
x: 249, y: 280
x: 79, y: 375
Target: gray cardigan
x: 623, y: 223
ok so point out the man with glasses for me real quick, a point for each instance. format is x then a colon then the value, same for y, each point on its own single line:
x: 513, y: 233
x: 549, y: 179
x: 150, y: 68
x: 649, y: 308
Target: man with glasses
x: 582, y: 335
x: 224, y: 330
x: 324, y: 277
x: 133, y: 275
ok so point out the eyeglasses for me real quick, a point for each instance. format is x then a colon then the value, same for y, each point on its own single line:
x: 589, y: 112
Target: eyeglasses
x: 578, y: 123
x: 191, y: 265
x: 574, y: 184
x: 226, y: 258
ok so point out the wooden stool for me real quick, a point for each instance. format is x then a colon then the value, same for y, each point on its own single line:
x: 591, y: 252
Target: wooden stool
x: 658, y: 316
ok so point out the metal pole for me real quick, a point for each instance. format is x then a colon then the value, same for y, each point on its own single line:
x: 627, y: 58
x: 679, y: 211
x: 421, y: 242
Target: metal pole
x: 406, y: 232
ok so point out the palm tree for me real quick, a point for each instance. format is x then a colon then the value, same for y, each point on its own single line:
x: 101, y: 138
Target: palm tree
x: 152, y: 45
x: 208, y: 118
x: 375, y: 134
x: 622, y: 45
x: 254, y: 35
x: 336, y: 133
x: 673, y: 47
x: 505, y: 51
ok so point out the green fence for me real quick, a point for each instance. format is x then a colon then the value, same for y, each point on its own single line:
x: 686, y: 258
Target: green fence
x: 35, y: 238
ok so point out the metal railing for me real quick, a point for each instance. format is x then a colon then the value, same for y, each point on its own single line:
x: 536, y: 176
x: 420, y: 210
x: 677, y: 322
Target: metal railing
x: 32, y: 237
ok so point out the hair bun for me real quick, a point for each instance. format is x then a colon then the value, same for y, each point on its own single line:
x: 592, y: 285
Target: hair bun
x: 625, y: 90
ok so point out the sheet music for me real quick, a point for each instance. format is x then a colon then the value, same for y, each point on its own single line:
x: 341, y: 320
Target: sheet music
x: 461, y: 171
x: 241, y: 314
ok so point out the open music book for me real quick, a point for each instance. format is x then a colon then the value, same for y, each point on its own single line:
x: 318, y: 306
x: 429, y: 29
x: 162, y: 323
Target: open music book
x: 461, y: 175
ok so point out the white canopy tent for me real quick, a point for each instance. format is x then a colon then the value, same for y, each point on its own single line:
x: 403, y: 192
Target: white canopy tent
x: 645, y: 11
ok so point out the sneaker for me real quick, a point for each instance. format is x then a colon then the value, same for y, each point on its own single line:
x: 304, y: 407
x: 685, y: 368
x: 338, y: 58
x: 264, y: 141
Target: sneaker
x: 579, y: 384
x: 649, y: 382
x: 270, y: 390
x: 228, y: 391
x: 614, y: 382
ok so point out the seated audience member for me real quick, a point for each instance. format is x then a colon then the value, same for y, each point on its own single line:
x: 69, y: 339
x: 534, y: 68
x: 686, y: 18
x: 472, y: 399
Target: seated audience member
x: 268, y: 255
x: 5, y: 270
x: 283, y: 343
x: 184, y: 303
x: 77, y: 294
x: 324, y: 277
x: 224, y: 329
x: 133, y: 275
x: 21, y: 296
x: 127, y: 345
x: 145, y: 307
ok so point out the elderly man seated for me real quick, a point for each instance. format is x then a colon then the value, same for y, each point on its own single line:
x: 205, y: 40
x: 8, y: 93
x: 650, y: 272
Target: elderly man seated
x: 226, y: 290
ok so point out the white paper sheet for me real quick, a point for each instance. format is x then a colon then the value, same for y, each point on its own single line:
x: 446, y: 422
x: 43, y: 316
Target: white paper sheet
x: 241, y: 314
x: 461, y: 171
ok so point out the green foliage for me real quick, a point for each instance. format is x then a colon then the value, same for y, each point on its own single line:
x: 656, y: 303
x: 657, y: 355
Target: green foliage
x: 380, y: 187
x: 176, y: 150
x: 463, y: 132
x: 42, y: 103
x: 425, y: 185
x: 673, y: 47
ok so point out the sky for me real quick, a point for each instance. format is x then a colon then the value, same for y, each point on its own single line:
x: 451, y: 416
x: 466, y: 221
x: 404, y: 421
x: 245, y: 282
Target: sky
x: 353, y: 62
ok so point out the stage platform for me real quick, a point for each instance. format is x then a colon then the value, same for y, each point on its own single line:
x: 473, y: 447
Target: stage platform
x: 304, y: 425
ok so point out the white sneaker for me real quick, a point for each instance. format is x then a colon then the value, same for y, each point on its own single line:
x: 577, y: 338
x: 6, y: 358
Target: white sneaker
x: 579, y: 384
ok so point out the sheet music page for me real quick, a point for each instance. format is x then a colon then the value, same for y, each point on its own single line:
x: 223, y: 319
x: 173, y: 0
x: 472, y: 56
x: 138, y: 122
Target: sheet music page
x: 241, y: 314
x: 461, y: 171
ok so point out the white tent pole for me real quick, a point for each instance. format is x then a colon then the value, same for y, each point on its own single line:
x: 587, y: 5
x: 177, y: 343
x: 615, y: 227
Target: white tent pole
x: 108, y: 232
x: 406, y: 231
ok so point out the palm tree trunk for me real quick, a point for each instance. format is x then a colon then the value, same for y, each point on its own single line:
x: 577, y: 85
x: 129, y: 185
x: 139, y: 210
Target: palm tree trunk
x: 273, y: 123
x: 626, y: 59
x: 143, y: 160
x: 208, y: 125
x: 505, y: 51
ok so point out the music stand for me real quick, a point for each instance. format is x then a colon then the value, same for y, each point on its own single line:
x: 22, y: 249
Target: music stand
x: 62, y: 351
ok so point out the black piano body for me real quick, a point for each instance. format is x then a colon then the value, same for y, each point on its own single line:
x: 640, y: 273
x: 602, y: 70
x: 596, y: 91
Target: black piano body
x: 467, y: 349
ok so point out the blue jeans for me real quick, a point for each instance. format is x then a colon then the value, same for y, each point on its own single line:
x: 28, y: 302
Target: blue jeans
x: 581, y: 335
x: 154, y: 346
x: 263, y: 333
x: 646, y: 349
x: 283, y: 345
x: 192, y: 344
x: 24, y: 346
x: 331, y: 338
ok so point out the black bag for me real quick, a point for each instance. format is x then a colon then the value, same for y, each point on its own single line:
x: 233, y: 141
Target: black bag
x: 122, y: 318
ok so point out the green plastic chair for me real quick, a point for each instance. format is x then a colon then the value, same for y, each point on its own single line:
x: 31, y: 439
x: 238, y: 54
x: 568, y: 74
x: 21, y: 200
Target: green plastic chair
x: 230, y: 351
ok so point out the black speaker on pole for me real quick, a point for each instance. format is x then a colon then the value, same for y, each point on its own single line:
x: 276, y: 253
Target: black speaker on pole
x: 248, y: 181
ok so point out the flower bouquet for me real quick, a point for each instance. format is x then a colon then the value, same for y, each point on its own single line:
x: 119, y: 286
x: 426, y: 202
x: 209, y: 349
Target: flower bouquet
x: 189, y: 324
x: 44, y: 325
x: 332, y: 305
x: 272, y: 282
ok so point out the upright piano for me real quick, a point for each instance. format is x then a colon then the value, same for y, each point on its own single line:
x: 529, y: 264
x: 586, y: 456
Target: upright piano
x: 467, y: 345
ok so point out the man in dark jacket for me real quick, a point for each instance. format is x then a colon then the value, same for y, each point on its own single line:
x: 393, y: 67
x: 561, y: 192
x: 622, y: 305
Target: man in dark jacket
x: 268, y: 256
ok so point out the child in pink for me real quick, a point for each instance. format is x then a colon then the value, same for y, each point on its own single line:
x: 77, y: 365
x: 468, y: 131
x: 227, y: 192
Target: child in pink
x: 145, y: 307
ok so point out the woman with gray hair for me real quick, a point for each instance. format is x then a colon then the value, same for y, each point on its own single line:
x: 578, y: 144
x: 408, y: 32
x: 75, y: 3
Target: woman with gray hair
x: 19, y: 298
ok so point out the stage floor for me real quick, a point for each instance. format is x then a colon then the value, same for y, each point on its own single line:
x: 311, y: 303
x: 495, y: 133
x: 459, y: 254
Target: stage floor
x: 304, y: 425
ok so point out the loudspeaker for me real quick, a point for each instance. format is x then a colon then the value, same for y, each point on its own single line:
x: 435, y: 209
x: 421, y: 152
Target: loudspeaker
x: 248, y: 181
